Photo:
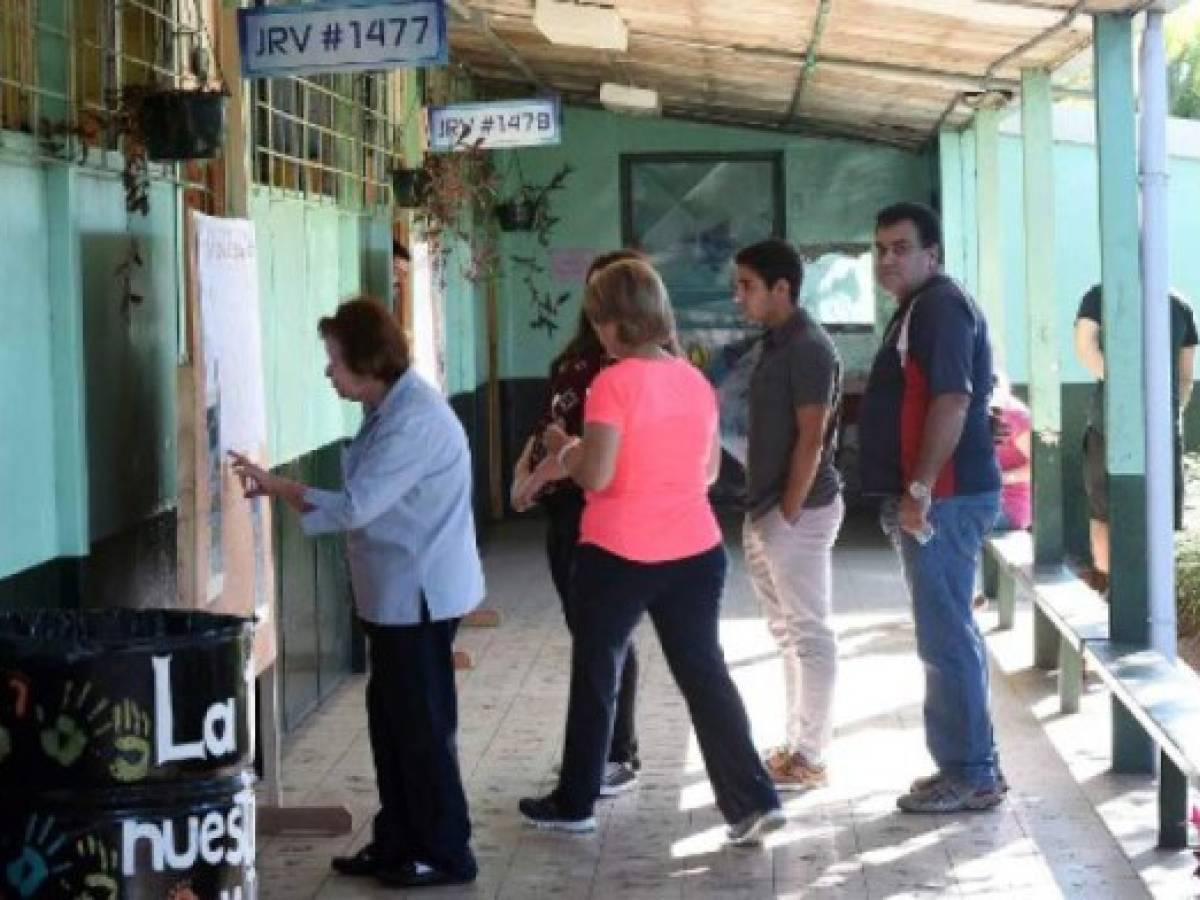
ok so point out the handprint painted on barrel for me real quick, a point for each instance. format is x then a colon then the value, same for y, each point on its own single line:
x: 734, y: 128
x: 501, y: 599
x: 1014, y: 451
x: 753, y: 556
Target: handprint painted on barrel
x: 131, y: 742
x: 38, y: 861
x: 69, y: 727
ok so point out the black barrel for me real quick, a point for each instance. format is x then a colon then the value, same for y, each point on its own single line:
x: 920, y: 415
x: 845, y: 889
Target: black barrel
x: 125, y: 738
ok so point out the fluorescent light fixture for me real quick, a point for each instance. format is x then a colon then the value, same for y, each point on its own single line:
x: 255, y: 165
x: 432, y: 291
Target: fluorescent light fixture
x: 631, y: 100
x: 581, y: 25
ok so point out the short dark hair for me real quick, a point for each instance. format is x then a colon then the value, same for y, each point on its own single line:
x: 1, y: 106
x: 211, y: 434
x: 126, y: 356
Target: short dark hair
x: 371, y: 341
x: 398, y: 249
x: 774, y: 260
x: 924, y: 219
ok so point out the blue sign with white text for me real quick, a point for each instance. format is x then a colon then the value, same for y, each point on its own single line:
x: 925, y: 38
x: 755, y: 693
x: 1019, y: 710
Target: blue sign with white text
x: 496, y: 125
x: 347, y: 36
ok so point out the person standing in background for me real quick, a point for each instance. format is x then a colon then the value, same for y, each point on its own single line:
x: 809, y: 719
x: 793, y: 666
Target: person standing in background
x: 927, y: 452
x: 571, y: 374
x: 405, y: 508
x: 794, y: 500
x: 1089, y: 348
x: 649, y: 543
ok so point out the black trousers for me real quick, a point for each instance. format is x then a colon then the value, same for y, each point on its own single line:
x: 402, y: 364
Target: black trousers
x: 412, y: 717
x: 1095, y: 476
x: 683, y: 598
x: 564, y: 511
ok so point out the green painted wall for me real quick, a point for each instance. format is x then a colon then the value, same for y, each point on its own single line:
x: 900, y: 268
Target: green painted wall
x: 131, y: 351
x: 311, y: 257
x: 1076, y: 260
x: 466, y: 324
x: 28, y: 527
x: 87, y: 377
x: 833, y: 189
x: 1077, y: 238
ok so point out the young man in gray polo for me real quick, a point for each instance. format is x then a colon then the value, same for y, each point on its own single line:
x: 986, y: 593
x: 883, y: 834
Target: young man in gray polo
x: 794, y: 499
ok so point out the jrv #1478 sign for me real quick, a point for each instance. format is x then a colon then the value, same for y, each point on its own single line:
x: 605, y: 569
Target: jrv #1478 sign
x: 347, y: 36
x: 496, y: 125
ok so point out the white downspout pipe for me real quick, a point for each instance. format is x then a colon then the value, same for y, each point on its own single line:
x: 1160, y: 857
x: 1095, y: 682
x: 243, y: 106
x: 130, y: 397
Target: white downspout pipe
x: 1157, y: 360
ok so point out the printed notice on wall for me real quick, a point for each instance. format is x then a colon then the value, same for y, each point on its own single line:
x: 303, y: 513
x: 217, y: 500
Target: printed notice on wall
x: 236, y: 533
x: 227, y: 270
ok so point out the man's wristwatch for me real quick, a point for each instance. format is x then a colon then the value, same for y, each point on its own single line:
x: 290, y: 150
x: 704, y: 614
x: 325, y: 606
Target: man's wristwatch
x: 919, y: 491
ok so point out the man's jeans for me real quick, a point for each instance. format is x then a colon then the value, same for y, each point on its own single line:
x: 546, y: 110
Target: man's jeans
x: 941, y: 581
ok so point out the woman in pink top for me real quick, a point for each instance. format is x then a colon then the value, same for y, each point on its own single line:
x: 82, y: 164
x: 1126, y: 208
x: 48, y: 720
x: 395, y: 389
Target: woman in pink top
x: 1015, y: 454
x: 649, y: 543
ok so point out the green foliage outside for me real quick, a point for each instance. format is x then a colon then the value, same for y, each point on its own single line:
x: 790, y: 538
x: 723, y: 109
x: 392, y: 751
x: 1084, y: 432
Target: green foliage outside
x: 1187, y: 564
x: 1183, y: 61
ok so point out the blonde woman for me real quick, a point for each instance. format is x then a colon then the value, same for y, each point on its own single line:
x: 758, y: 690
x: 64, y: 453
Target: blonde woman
x: 649, y: 543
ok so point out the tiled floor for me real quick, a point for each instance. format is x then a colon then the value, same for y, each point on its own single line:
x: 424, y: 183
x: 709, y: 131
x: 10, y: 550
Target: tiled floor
x: 664, y: 839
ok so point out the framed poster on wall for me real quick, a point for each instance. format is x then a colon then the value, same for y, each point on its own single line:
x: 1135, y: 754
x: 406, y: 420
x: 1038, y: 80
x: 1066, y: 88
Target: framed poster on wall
x: 677, y: 208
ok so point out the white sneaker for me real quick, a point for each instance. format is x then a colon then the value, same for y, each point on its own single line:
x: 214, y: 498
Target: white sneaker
x: 618, y: 778
x: 751, y: 829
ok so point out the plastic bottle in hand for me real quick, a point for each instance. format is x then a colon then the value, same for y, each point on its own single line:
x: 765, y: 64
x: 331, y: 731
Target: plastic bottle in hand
x: 925, y: 535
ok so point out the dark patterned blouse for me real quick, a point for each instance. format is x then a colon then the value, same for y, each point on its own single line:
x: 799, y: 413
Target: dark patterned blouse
x: 565, y: 396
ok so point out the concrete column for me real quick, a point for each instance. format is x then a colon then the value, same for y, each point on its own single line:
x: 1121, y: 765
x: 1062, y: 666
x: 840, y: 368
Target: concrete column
x: 950, y: 190
x: 1041, y: 298
x: 70, y: 402
x: 1120, y: 271
x: 991, y: 253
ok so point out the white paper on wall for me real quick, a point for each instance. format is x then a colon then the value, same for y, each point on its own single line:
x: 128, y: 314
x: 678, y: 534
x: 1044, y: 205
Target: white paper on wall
x: 227, y: 276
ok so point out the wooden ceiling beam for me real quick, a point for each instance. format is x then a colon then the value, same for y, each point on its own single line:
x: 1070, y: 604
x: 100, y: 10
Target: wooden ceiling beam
x: 810, y: 59
x: 903, y: 137
x: 1017, y: 52
x: 952, y: 79
x: 478, y: 19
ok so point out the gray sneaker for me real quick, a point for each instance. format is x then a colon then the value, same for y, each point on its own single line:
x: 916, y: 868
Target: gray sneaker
x: 926, y: 782
x: 618, y: 778
x: 751, y: 829
x: 947, y: 795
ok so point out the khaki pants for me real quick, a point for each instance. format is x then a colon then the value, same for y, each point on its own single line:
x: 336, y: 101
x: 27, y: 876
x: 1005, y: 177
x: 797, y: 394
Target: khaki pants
x: 791, y: 567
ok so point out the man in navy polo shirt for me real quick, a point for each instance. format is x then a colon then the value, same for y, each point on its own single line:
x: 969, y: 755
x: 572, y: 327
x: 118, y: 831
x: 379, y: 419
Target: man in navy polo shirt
x: 926, y: 449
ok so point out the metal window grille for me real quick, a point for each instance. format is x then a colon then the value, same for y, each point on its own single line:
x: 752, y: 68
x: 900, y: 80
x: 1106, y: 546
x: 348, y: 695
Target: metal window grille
x: 326, y: 137
x: 31, y: 31
x: 61, y: 60
x: 119, y: 43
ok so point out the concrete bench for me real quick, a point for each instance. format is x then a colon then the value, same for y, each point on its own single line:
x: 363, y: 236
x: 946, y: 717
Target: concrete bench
x: 1071, y: 624
x: 1068, y: 617
x: 1164, y: 698
x: 1007, y: 562
x: 1067, y: 613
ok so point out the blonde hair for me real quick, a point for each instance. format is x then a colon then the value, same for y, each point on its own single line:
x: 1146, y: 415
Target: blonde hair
x: 630, y: 293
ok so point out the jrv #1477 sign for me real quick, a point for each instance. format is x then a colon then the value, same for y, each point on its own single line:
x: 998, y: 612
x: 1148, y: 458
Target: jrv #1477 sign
x: 347, y: 36
x: 496, y: 125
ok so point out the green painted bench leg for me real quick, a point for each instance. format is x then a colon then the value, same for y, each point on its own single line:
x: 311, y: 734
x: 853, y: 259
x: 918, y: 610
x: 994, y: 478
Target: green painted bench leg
x: 1070, y: 677
x: 1045, y: 640
x: 1006, y: 601
x: 1133, y: 751
x: 990, y: 572
x: 1172, y: 805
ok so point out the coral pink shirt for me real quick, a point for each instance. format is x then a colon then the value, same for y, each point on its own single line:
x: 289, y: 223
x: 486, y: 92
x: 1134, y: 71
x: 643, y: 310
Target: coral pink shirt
x: 656, y: 507
x: 1016, y: 498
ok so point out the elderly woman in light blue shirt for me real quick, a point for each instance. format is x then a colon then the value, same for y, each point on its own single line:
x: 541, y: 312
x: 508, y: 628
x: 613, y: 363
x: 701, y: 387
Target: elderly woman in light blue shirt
x: 405, y: 507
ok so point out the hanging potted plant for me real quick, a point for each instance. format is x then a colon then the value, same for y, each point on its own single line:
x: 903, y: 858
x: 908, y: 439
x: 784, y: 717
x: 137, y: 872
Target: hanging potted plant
x: 517, y: 215
x: 410, y: 187
x: 529, y: 210
x: 182, y: 124
x: 455, y: 192
x: 179, y: 123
